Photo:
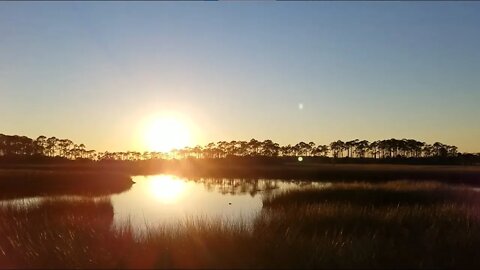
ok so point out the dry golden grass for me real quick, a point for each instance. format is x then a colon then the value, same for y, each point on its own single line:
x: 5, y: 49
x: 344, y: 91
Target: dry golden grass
x: 398, y: 224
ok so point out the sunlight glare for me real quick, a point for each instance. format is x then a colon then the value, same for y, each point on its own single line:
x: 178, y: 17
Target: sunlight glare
x: 167, y: 189
x: 165, y: 134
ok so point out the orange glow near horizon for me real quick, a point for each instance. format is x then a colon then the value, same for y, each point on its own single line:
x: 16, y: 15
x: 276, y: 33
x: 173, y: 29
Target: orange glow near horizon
x: 165, y: 132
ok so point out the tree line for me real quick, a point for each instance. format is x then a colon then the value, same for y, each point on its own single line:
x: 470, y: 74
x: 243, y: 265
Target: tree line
x: 11, y: 145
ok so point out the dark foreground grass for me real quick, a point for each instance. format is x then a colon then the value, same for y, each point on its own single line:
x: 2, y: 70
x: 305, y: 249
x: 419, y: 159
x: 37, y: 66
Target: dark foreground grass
x: 349, y: 225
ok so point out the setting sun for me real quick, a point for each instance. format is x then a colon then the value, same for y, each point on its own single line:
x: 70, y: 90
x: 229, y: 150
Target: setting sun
x: 166, y: 133
x: 307, y: 134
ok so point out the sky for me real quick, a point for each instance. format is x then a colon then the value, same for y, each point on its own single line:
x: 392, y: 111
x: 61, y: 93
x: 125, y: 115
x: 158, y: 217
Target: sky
x: 287, y: 71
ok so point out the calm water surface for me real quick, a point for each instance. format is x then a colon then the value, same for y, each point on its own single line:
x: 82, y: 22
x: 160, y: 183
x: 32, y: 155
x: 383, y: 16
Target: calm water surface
x: 165, y: 199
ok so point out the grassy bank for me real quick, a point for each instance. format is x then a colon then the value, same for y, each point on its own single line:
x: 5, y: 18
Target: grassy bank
x: 348, y: 225
x: 281, y: 168
x: 20, y: 183
x: 328, y: 172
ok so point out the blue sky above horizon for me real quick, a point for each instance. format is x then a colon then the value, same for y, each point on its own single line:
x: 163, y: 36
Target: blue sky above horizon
x: 91, y: 71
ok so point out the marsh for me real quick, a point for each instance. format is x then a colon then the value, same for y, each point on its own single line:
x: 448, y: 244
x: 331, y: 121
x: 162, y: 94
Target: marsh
x: 167, y: 221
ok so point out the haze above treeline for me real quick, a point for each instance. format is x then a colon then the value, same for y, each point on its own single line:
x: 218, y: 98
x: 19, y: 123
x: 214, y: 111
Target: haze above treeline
x: 286, y: 71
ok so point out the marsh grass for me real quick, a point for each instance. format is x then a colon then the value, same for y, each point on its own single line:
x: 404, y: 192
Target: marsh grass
x: 31, y: 183
x: 348, y: 225
x: 54, y: 233
x: 393, y: 224
x: 384, y: 193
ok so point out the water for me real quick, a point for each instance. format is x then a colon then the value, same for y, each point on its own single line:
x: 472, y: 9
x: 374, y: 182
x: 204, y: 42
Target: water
x: 167, y: 199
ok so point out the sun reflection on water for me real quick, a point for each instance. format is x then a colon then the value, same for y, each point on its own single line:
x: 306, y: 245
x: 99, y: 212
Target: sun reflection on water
x: 167, y: 188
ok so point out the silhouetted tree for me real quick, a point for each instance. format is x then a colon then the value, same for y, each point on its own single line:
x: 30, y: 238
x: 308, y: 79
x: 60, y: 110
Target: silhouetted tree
x: 337, y: 148
x: 11, y: 145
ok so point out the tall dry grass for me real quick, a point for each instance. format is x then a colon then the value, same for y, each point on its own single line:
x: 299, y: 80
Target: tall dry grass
x: 348, y: 225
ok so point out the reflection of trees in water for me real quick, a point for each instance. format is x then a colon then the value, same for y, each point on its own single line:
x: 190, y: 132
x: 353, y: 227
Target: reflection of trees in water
x: 241, y: 186
x: 236, y: 186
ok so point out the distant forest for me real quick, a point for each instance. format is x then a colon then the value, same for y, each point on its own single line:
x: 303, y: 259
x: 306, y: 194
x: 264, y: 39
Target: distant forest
x: 12, y: 146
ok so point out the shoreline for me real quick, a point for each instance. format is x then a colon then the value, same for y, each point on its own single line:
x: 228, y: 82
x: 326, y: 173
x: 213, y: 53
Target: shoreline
x: 468, y: 174
x: 18, y: 183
